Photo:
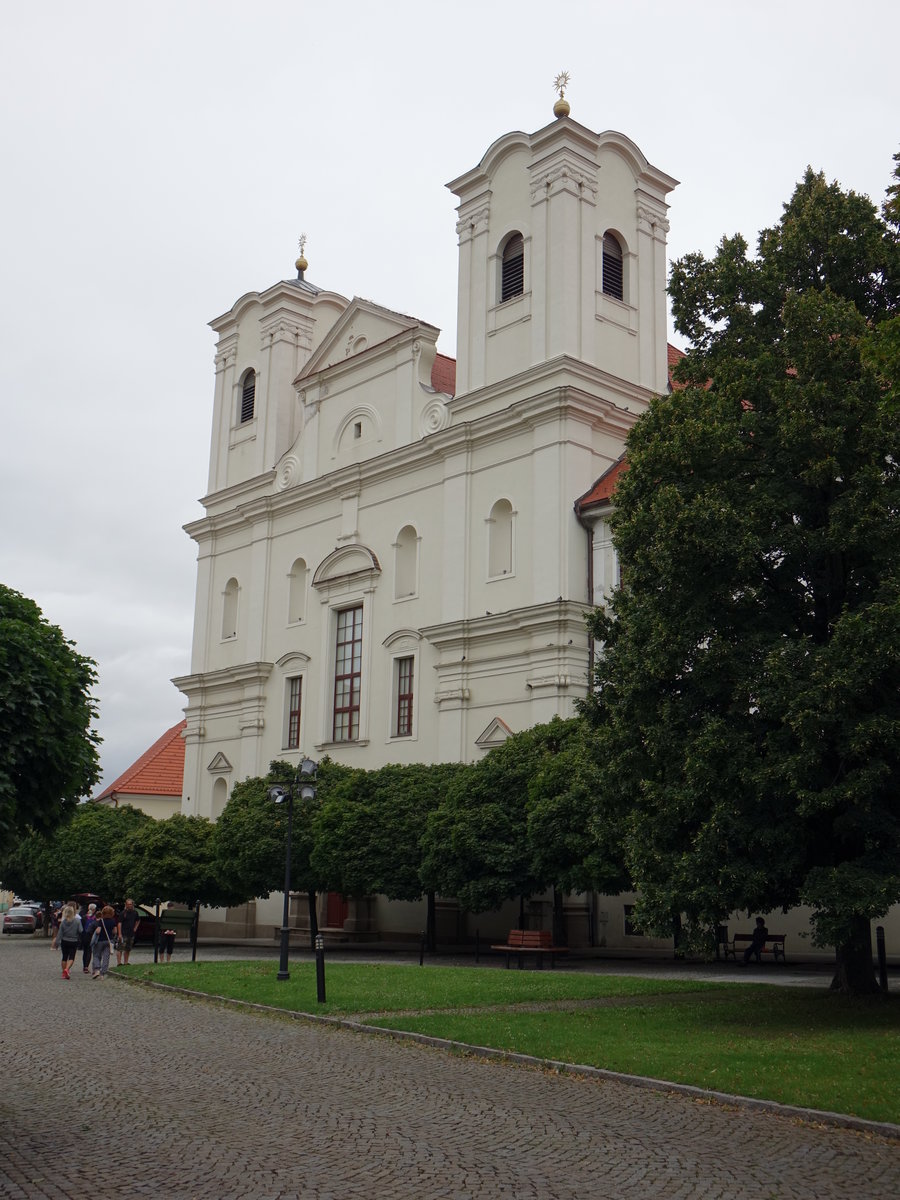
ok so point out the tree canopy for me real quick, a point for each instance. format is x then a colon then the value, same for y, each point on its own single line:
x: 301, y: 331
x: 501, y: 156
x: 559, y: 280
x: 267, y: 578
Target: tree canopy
x: 172, y: 859
x: 48, y: 751
x: 748, y: 694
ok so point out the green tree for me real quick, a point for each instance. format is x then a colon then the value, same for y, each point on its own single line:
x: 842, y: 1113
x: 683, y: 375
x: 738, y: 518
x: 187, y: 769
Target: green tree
x: 48, y: 751
x: 76, y: 856
x: 171, y: 860
x: 501, y: 829
x: 569, y: 847
x: 368, y: 833
x: 251, y: 835
x: 748, y: 697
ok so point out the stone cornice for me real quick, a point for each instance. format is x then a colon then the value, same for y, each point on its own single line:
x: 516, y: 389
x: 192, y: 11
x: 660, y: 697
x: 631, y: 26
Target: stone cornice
x: 255, y: 501
x: 452, y: 638
x: 253, y: 674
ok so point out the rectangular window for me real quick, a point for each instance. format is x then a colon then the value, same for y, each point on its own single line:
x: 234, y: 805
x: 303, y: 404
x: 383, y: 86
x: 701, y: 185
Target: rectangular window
x: 295, y: 693
x: 404, y: 709
x: 347, y: 674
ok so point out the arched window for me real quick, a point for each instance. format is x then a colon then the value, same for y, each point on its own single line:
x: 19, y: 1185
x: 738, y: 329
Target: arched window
x: 219, y: 798
x: 500, y: 539
x: 248, y: 396
x: 406, y: 555
x: 512, y: 268
x: 613, y: 276
x: 230, y: 610
x: 297, y: 579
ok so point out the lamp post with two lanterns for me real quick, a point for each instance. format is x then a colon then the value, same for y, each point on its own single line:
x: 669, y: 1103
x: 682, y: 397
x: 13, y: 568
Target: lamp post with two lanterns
x: 302, y: 787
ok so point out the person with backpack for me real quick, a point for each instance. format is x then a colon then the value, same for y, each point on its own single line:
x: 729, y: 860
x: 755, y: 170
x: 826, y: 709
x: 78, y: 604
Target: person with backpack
x: 89, y: 924
x: 104, y: 939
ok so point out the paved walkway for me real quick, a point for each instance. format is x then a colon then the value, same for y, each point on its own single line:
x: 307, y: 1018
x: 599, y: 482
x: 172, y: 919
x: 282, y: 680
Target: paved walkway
x: 110, y: 1091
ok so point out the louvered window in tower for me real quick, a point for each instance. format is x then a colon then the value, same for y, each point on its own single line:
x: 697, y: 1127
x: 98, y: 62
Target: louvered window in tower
x: 512, y: 276
x: 248, y: 397
x: 612, y: 268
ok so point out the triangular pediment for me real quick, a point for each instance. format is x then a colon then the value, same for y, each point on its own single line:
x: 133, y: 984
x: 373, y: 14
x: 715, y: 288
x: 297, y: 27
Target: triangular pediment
x: 494, y: 735
x: 360, y: 327
x: 220, y: 764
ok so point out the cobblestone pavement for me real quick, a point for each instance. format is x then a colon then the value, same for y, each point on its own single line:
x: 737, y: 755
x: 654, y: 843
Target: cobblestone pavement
x: 111, y: 1091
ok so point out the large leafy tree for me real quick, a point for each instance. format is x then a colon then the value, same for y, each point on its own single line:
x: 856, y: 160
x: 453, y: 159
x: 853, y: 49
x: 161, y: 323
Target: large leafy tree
x: 76, y: 856
x: 48, y: 751
x: 748, y: 693
x: 569, y: 847
x: 515, y: 822
x: 172, y: 860
x: 368, y: 834
x: 251, y: 835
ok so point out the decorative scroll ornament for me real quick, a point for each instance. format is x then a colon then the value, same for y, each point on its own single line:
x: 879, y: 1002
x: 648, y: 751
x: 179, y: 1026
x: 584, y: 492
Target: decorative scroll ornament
x: 651, y: 221
x: 288, y: 473
x: 473, y: 222
x: 435, y: 417
x: 565, y: 175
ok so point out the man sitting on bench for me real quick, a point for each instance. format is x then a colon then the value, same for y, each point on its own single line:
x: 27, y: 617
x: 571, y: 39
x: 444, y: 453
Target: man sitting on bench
x: 760, y: 933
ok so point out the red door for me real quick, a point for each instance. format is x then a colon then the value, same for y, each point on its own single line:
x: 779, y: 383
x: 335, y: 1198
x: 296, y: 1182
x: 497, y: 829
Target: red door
x: 335, y: 911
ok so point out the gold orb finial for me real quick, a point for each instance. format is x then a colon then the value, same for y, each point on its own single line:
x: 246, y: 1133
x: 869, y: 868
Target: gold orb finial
x: 560, y: 83
x: 301, y: 264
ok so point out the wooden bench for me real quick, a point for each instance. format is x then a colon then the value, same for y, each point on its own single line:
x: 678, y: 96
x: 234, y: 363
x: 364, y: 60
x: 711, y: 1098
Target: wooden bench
x: 538, y: 942
x: 739, y: 943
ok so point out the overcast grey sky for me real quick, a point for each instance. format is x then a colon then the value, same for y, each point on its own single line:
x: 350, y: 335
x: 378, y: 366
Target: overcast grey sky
x: 159, y: 160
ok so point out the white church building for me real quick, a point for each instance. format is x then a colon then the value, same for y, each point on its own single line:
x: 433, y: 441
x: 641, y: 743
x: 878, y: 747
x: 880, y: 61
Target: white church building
x: 391, y: 567
x: 399, y: 549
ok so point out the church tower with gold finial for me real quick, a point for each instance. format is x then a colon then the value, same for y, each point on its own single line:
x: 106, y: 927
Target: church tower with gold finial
x: 562, y: 255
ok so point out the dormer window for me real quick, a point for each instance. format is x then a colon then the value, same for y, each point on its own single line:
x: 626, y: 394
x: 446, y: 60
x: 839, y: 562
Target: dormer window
x: 613, y: 276
x: 248, y: 397
x: 512, y: 268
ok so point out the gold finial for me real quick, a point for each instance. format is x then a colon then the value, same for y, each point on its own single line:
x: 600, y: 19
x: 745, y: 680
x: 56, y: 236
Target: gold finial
x: 560, y: 83
x: 301, y: 264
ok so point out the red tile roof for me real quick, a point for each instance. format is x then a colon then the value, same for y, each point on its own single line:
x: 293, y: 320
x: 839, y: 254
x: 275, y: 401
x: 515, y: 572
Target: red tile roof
x: 601, y: 492
x: 158, y: 772
x: 603, y: 488
x: 443, y: 374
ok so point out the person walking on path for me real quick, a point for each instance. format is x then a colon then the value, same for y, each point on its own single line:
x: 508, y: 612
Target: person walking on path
x: 68, y: 937
x: 129, y: 923
x: 104, y: 934
x: 89, y: 924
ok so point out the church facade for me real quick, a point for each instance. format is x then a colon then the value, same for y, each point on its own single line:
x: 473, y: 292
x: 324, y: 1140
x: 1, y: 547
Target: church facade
x: 392, y: 566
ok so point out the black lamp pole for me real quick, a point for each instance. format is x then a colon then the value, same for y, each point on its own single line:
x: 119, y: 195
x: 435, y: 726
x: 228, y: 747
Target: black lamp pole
x: 283, y: 972
x: 303, y: 785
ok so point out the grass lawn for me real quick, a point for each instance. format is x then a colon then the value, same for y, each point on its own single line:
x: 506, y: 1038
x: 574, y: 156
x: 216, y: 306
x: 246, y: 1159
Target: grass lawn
x: 796, y: 1045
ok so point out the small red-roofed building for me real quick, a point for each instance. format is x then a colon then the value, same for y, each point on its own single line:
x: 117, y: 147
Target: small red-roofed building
x: 154, y: 782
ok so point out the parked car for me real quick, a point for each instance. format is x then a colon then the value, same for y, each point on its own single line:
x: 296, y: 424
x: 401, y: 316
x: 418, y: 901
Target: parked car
x: 37, y: 909
x: 19, y: 920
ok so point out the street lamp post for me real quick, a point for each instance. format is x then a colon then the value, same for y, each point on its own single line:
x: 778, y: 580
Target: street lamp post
x: 303, y: 785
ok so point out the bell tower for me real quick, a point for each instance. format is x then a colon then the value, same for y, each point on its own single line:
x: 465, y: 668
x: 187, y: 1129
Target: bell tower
x: 562, y: 253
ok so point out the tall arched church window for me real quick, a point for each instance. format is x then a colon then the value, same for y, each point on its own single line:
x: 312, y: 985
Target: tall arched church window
x: 512, y: 268
x: 406, y: 564
x: 219, y: 798
x: 500, y: 539
x: 248, y: 397
x: 297, y: 581
x: 230, y: 609
x: 613, y: 275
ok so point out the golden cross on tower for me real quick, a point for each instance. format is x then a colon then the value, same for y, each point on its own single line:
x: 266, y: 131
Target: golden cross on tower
x: 560, y: 83
x: 301, y: 264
